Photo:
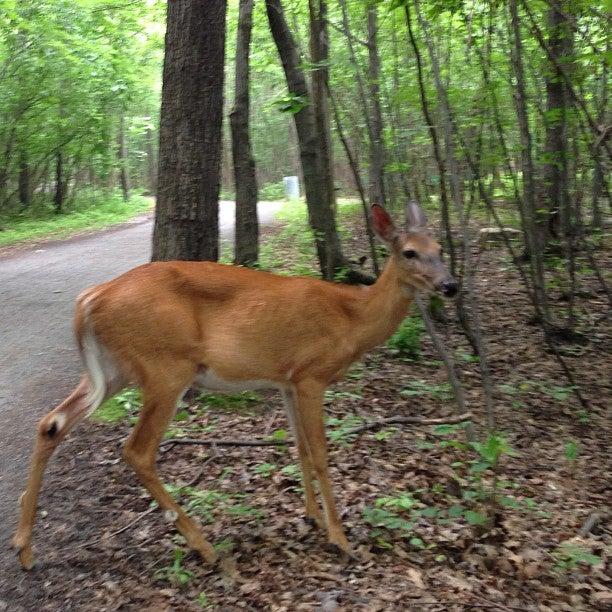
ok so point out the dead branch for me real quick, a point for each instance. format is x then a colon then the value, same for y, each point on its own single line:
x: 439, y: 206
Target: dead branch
x: 116, y: 533
x: 394, y: 420
x: 402, y: 420
x: 228, y: 442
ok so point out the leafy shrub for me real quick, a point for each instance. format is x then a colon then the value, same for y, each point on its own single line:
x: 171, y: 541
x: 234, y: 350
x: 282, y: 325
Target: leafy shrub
x: 406, y: 341
x: 272, y: 191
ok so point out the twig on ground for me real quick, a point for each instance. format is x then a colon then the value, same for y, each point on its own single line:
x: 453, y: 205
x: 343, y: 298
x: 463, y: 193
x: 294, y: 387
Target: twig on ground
x: 399, y: 420
x: 402, y: 420
x: 228, y: 442
x: 588, y: 525
x: 194, y: 481
x: 116, y: 533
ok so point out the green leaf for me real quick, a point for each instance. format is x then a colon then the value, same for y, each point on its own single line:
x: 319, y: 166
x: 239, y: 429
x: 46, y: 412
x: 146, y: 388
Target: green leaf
x: 475, y: 518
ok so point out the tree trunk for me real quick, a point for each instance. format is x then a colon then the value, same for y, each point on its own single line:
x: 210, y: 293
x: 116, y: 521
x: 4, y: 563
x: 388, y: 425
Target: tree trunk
x: 25, y: 188
x: 246, y: 246
x: 320, y: 213
x: 319, y: 56
x: 534, y: 248
x: 187, y: 211
x: 555, y: 165
x: 377, y: 153
x: 124, y: 175
x: 151, y: 161
x: 58, y: 199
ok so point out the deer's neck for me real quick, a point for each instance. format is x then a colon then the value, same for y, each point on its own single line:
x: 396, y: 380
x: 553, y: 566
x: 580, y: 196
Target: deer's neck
x: 385, y: 304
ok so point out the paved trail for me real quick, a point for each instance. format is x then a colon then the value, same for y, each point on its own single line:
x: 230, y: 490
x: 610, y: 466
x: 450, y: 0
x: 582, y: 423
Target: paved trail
x: 38, y: 361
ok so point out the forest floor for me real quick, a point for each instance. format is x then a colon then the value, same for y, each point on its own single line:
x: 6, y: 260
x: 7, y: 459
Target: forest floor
x: 413, y: 498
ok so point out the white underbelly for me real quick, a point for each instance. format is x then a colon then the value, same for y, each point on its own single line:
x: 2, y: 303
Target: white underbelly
x: 210, y: 381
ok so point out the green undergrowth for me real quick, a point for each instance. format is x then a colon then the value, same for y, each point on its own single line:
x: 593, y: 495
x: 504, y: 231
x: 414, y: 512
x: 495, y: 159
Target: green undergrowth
x: 87, y: 212
x: 296, y: 231
x: 120, y: 407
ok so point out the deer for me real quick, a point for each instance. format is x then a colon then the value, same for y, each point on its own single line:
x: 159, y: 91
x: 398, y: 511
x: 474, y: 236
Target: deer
x: 169, y: 326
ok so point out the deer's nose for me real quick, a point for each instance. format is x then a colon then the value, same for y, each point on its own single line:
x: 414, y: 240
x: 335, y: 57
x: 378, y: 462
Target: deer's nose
x: 449, y: 287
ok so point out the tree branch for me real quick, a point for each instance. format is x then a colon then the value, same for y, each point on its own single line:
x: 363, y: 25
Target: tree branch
x: 399, y: 420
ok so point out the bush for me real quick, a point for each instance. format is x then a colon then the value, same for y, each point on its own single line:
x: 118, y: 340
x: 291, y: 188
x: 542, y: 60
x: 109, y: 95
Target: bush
x: 272, y: 191
x: 406, y: 341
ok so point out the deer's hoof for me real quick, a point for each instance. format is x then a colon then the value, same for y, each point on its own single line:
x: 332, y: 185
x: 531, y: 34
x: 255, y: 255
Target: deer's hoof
x: 24, y: 554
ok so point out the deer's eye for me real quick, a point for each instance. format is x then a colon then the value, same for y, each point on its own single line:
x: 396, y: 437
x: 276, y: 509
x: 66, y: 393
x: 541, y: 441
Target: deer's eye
x: 410, y: 254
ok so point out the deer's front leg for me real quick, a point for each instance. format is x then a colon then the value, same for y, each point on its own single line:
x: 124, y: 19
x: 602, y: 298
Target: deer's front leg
x: 310, y: 420
x: 313, y: 512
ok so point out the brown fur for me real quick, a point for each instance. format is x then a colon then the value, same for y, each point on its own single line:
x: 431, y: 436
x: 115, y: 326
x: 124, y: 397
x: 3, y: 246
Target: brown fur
x: 163, y: 323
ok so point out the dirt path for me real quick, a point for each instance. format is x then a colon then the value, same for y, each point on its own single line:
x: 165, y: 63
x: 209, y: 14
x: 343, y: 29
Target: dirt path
x: 38, y: 360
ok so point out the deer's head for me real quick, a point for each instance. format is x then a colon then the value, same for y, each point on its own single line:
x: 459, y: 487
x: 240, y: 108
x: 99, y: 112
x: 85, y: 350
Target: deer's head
x: 417, y: 255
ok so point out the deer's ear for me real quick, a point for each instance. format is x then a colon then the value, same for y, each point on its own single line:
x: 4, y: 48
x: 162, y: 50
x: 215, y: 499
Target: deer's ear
x: 415, y: 217
x: 382, y: 224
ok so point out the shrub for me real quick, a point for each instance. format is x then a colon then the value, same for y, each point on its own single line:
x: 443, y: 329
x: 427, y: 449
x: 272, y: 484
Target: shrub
x: 406, y: 341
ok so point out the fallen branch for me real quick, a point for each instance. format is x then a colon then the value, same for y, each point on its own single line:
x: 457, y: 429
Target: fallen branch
x: 116, y: 533
x: 228, y: 442
x: 400, y: 420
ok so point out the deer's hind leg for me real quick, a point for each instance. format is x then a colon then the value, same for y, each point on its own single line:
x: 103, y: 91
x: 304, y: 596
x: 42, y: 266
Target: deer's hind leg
x: 313, y: 511
x: 160, y: 397
x: 51, y: 430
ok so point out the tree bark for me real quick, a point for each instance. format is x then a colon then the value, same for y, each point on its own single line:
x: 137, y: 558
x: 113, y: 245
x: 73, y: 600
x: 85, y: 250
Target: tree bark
x: 25, y: 188
x: 58, y: 198
x: 319, y: 55
x: 555, y: 168
x: 151, y: 161
x: 534, y: 247
x: 246, y: 248
x: 377, y: 152
x: 124, y: 175
x: 187, y: 211
x: 320, y: 213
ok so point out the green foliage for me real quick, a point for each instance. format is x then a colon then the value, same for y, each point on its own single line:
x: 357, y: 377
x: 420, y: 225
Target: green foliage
x: 237, y: 402
x: 339, y: 429
x: 568, y: 556
x: 207, y: 503
x: 419, y: 388
x: 117, y: 408
x: 406, y: 341
x: 272, y: 192
x: 88, y: 211
x: 175, y: 573
x: 265, y: 469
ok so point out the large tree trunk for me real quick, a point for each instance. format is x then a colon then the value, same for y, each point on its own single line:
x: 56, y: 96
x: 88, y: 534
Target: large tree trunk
x: 124, y: 175
x: 58, y: 198
x: 319, y: 55
x: 377, y: 152
x: 25, y: 188
x: 534, y: 246
x: 320, y: 213
x: 555, y: 169
x: 187, y: 211
x: 151, y: 161
x: 247, y: 227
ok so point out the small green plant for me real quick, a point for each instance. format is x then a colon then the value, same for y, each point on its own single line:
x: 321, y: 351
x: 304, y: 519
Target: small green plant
x: 569, y: 556
x: 279, y: 435
x: 406, y: 341
x: 291, y: 471
x: 571, y: 454
x: 204, y: 601
x: 175, y: 574
x: 339, y: 430
x: 119, y: 407
x: 265, y: 469
x: 237, y: 402
x: 384, y: 434
x: 418, y: 388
